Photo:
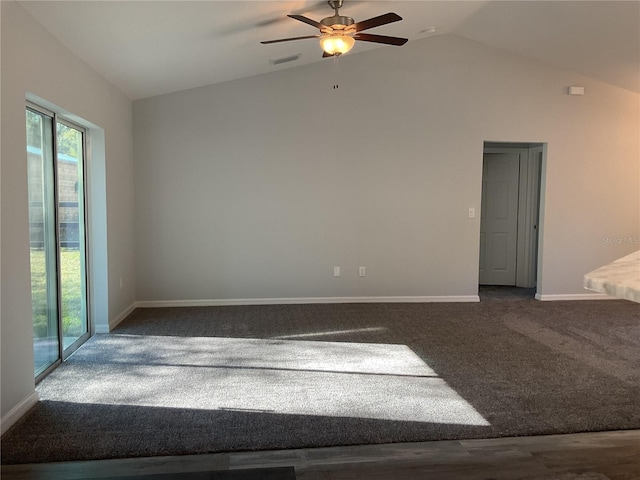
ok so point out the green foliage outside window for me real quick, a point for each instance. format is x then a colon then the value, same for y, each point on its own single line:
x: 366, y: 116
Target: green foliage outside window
x: 71, y: 299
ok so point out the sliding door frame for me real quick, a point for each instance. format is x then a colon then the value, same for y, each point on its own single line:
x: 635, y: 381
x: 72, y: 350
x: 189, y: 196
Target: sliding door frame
x: 83, y: 240
x: 64, y: 353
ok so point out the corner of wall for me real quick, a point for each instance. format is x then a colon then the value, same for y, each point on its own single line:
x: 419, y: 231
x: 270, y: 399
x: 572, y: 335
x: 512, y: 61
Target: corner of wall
x: 115, y: 321
x: 17, y: 412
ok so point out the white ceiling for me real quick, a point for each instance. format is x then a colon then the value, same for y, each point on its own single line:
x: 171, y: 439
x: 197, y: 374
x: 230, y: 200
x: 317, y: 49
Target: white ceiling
x: 149, y: 48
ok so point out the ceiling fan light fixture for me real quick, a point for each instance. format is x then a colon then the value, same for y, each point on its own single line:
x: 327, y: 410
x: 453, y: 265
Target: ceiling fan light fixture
x: 337, y: 44
x: 339, y: 33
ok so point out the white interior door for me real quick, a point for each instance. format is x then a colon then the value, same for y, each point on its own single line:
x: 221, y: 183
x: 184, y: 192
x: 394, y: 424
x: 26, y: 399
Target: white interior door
x: 499, y: 219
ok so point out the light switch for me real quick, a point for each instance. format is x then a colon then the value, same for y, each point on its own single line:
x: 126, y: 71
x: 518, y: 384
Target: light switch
x: 336, y: 271
x: 472, y: 213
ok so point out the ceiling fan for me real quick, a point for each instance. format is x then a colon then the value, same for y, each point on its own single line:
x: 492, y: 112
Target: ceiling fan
x: 339, y: 33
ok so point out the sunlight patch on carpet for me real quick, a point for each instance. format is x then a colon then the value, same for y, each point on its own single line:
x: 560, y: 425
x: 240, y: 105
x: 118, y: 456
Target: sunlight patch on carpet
x: 335, y: 379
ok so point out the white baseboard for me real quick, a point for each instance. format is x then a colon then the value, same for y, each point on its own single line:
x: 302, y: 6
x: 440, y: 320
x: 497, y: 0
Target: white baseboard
x: 304, y: 300
x: 573, y: 296
x: 113, y: 323
x: 17, y: 412
x: 117, y: 319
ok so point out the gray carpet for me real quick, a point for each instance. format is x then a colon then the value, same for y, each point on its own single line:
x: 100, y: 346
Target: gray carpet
x: 197, y: 380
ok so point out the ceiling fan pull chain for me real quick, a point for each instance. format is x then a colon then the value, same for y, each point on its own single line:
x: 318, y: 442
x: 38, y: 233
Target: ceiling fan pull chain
x: 336, y: 72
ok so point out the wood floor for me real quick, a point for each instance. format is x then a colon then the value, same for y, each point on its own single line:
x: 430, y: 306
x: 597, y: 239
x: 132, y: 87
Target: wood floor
x: 585, y: 456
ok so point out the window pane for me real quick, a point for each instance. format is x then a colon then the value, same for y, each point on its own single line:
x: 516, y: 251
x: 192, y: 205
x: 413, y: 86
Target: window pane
x: 42, y: 241
x: 71, y: 228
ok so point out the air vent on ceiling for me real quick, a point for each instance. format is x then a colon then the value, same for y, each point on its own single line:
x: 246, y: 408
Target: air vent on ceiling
x: 278, y: 61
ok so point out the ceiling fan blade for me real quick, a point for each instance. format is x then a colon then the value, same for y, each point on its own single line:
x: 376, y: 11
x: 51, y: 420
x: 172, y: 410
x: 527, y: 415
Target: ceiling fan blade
x: 317, y: 5
x: 266, y: 42
x: 325, y: 54
x: 304, y: 19
x: 377, y: 21
x: 367, y: 37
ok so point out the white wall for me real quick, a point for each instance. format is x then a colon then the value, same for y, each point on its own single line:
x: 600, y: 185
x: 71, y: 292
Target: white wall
x: 35, y: 64
x: 256, y: 188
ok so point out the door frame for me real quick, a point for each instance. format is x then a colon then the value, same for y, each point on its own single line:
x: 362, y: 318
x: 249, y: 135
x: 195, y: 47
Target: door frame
x: 64, y: 353
x: 532, y: 158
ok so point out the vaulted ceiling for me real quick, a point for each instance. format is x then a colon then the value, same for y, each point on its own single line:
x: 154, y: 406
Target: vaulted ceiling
x: 149, y: 48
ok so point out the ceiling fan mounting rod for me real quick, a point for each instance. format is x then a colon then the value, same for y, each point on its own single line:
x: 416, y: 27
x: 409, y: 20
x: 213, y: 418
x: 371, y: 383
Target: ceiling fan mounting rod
x: 337, y: 22
x: 336, y: 5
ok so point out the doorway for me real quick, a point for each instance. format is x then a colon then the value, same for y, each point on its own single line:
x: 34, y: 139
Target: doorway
x: 510, y: 210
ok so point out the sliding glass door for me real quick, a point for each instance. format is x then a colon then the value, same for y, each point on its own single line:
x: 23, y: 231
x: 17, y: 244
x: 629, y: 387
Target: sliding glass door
x: 70, y: 180
x: 42, y: 240
x: 55, y: 156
